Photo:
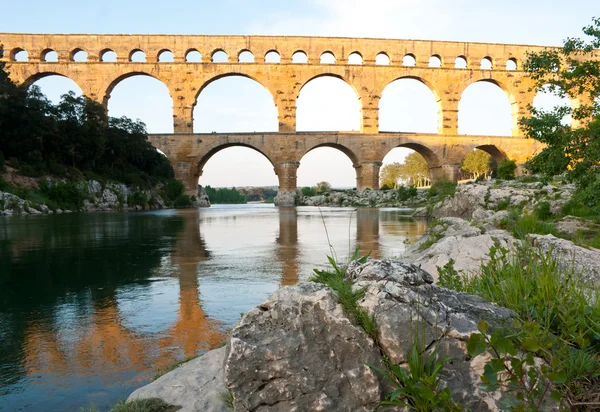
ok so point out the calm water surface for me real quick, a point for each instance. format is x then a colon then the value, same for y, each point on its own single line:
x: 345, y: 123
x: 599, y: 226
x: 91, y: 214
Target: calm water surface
x: 93, y: 305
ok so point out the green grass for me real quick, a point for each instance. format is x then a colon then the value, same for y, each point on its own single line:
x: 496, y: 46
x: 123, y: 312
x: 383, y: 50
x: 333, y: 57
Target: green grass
x: 553, y: 302
x: 137, y: 405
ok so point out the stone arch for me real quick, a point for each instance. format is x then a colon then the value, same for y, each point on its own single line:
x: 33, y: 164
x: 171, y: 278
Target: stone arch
x: 201, y: 160
x: 409, y: 60
x: 341, y: 115
x: 75, y: 52
x: 14, y: 52
x: 122, y: 77
x: 355, y: 58
x: 327, y: 57
x: 486, y: 63
x: 135, y: 52
x: 312, y: 159
x: 382, y: 59
x: 511, y: 64
x: 334, y: 145
x: 103, y: 52
x: 497, y: 154
x: 192, y: 55
x: 300, y: 57
x: 262, y: 123
x: 165, y: 56
x: 47, y: 53
x: 272, y: 56
x: 37, y: 76
x: 245, y: 56
x: 432, y: 159
x: 461, y: 62
x: 219, y: 56
x: 435, y: 95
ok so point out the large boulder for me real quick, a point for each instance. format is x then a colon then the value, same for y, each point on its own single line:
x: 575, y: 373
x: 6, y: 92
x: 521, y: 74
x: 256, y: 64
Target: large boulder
x: 196, y: 385
x: 406, y: 304
x: 456, y: 239
x: 585, y: 262
x: 298, y: 351
x: 285, y: 198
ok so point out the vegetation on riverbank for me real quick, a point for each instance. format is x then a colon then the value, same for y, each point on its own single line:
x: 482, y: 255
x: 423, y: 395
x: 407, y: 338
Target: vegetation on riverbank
x: 137, y: 405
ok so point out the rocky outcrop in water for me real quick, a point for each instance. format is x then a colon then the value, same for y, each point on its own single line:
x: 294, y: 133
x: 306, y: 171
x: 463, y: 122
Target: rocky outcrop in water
x: 364, y: 198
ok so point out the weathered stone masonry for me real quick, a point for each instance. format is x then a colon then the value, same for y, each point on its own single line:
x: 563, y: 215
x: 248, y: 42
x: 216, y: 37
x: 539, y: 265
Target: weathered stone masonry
x: 185, y: 80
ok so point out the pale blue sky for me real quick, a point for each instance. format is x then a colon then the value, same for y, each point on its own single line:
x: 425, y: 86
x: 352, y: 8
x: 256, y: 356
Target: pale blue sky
x: 240, y: 105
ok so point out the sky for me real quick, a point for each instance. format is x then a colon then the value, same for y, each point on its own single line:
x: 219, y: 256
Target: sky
x: 239, y: 104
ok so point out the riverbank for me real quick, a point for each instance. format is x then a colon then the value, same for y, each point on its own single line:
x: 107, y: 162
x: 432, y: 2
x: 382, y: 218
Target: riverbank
x: 525, y: 245
x: 22, y: 195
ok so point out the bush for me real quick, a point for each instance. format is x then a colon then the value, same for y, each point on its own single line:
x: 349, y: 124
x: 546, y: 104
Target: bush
x: 542, y: 211
x: 405, y: 193
x: 183, y: 201
x: 173, y: 189
x: 506, y: 169
x: 67, y: 195
x: 442, y: 189
x: 385, y: 188
x: 137, y: 198
x: 308, y: 191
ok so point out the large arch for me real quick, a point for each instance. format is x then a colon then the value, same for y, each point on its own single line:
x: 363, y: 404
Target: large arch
x: 547, y: 99
x: 139, y: 95
x: 240, y: 162
x: 409, y: 104
x: 432, y: 159
x: 486, y: 108
x: 402, y: 155
x: 234, y: 102
x: 328, y: 102
x: 333, y: 158
x: 54, y: 85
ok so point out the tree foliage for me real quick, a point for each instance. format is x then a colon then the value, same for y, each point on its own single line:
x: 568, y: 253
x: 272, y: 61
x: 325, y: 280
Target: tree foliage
x: 571, y: 71
x: 415, y: 170
x: 390, y: 175
x: 225, y: 195
x: 74, y: 136
x: 477, y: 163
x: 323, y: 187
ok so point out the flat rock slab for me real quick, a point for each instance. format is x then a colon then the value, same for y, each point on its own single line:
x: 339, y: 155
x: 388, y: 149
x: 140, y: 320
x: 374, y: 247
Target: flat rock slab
x: 196, y: 386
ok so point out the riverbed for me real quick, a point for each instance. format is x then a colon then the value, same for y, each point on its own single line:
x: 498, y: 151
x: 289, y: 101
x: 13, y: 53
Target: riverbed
x: 92, y: 306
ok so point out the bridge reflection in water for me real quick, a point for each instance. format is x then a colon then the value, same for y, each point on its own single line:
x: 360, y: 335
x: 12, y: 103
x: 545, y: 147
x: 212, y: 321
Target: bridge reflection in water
x: 128, y: 294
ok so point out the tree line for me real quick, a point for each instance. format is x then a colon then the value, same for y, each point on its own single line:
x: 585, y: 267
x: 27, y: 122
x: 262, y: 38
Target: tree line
x: 74, y: 138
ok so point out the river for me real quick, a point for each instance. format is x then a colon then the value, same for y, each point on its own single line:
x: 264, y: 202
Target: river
x: 93, y: 305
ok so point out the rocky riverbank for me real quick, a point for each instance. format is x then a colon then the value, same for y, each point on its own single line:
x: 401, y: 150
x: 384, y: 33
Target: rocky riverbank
x: 405, y: 197
x: 30, y: 196
x: 306, y: 348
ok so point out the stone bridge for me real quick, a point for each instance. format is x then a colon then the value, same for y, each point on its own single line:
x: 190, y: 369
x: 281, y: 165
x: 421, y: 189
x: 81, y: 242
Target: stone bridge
x: 283, y: 65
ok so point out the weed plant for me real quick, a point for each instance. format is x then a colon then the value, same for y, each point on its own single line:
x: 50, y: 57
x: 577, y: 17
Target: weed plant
x: 137, y: 405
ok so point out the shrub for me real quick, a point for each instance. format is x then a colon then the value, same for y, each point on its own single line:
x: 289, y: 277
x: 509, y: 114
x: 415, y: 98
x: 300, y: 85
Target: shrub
x: 405, y: 193
x: 137, y: 198
x: 173, y: 189
x: 182, y: 201
x: 542, y: 211
x: 506, y: 169
x: 442, y: 189
x: 308, y: 191
x: 67, y: 195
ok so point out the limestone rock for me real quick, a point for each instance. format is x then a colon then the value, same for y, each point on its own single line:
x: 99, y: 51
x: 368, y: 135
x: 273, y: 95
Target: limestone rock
x: 197, y: 385
x: 202, y: 198
x: 298, y: 351
x: 571, y: 225
x: 570, y: 256
x: 467, y: 245
x: 285, y: 198
x: 402, y: 299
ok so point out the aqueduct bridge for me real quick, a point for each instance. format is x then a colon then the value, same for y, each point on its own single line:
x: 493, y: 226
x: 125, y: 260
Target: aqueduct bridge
x: 283, y: 65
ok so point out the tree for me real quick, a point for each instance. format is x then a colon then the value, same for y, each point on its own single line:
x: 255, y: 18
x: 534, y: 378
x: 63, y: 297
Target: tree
x: 323, y: 187
x: 478, y: 163
x: 390, y: 174
x: 573, y: 70
x: 415, y: 170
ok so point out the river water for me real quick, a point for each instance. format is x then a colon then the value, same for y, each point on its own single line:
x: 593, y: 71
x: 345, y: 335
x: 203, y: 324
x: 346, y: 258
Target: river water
x: 93, y: 305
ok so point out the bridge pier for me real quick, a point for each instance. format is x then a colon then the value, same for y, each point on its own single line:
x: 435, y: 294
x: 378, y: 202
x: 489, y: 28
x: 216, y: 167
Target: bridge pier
x: 189, y: 180
x: 446, y: 172
x: 367, y: 175
x: 286, y: 173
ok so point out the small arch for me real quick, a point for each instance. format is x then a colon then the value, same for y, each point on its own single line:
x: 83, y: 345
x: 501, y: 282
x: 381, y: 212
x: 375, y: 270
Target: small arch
x: 355, y: 58
x: 327, y: 58
x: 460, y: 62
x: 193, y: 56
x: 409, y: 60
x: 246, y: 56
x: 79, y: 55
x: 165, y: 56
x: 137, y: 56
x: 108, y: 56
x: 299, y: 57
x: 511, y: 64
x: 435, y: 61
x: 382, y: 59
x: 49, y: 56
x: 19, y: 55
x: 219, y: 56
x: 272, y: 56
x: 486, y: 63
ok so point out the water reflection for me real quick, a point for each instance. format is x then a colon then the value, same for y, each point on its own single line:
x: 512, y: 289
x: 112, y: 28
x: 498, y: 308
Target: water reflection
x: 92, y: 305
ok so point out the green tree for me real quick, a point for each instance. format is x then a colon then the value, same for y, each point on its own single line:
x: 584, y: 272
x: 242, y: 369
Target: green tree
x: 477, y: 163
x: 415, y: 170
x: 390, y: 174
x: 570, y: 71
